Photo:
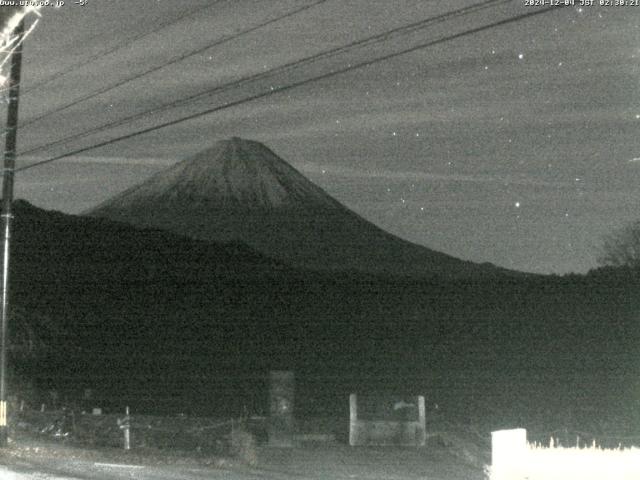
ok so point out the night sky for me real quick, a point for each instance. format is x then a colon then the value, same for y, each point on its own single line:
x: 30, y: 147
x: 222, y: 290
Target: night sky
x: 516, y: 145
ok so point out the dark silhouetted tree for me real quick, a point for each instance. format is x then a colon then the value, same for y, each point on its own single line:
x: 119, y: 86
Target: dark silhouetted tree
x: 622, y: 248
x: 31, y: 334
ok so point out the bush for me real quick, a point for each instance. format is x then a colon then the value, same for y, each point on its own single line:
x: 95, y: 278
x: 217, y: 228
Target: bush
x: 243, y: 444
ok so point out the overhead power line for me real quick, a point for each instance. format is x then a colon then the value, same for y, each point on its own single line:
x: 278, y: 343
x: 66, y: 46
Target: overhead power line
x: 372, y: 40
x: 100, y: 55
x: 291, y: 86
x: 173, y: 61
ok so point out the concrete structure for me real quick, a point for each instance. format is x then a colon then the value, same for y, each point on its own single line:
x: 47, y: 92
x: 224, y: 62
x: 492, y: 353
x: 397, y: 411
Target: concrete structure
x: 390, y: 422
x: 508, y: 452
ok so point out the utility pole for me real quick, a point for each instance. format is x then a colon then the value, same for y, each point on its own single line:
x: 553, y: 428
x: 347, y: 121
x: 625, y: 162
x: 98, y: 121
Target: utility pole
x: 7, y: 198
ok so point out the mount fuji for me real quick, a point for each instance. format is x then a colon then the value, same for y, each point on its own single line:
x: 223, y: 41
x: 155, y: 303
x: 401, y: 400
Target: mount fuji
x: 239, y: 190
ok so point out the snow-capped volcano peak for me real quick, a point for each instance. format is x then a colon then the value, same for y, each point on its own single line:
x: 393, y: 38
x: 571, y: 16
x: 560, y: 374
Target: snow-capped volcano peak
x: 239, y: 190
x: 233, y: 173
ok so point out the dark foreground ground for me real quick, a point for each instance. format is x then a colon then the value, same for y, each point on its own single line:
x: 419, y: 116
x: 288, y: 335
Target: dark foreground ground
x: 93, y: 451
x: 35, y: 459
x: 190, y: 448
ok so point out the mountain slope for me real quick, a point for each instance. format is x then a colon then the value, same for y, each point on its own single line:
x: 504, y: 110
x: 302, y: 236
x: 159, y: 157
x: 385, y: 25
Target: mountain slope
x: 241, y: 190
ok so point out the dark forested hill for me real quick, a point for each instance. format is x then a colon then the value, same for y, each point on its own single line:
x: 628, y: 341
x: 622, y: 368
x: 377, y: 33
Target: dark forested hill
x: 150, y: 316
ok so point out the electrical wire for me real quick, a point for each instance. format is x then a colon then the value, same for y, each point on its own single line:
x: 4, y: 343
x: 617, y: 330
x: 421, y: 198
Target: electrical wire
x: 372, y: 40
x: 173, y: 61
x: 119, y: 47
x: 291, y: 86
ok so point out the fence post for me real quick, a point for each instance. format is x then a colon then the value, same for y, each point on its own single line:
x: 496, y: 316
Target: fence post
x: 353, y: 419
x: 125, y: 425
x: 127, y: 435
x: 422, y: 422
